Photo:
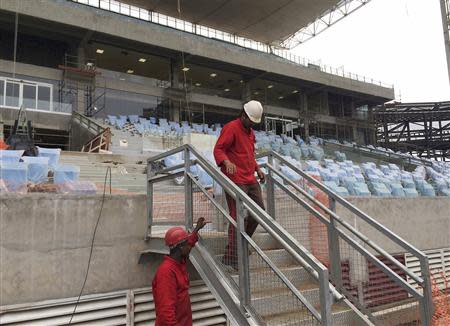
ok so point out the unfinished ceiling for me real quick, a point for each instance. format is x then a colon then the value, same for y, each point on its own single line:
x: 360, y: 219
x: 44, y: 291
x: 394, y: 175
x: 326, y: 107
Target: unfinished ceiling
x: 267, y: 21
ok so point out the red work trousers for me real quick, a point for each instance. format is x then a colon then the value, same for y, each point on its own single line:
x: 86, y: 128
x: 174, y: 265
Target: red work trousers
x: 254, y: 192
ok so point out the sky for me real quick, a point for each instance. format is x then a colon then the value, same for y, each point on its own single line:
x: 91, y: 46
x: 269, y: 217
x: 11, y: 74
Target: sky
x: 398, y: 42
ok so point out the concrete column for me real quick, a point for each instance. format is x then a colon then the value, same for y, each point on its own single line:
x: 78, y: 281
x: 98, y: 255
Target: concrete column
x: 246, y: 92
x: 324, y: 108
x: 174, y: 113
x: 304, y: 110
x: 175, y: 69
x: 81, y: 54
x: 175, y: 106
x: 355, y: 134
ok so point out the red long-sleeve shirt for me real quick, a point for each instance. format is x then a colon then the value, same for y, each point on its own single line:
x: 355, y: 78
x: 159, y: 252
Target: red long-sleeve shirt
x: 237, y: 144
x: 171, y: 291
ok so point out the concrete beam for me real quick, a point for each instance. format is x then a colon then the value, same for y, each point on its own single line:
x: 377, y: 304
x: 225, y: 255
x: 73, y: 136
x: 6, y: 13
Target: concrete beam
x: 6, y: 66
x: 39, y: 119
x: 65, y: 12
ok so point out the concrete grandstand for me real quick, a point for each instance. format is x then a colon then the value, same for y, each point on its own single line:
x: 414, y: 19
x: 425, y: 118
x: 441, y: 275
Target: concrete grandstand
x: 126, y: 101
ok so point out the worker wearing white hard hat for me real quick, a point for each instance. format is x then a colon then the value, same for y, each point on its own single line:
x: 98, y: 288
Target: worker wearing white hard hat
x: 235, y: 154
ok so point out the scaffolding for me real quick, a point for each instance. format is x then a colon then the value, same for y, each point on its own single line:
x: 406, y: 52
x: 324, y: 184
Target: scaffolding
x: 279, y: 125
x: 422, y: 129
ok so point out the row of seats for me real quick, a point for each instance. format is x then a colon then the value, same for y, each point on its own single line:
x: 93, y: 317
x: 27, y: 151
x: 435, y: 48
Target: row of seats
x: 341, y: 175
x: 346, y: 178
x: 162, y: 127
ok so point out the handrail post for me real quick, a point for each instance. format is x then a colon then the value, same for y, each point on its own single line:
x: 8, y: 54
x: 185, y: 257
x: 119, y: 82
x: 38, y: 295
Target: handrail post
x: 270, y: 188
x: 149, y: 201
x: 426, y: 309
x: 188, y: 196
x: 334, y: 251
x: 325, y: 299
x: 242, y: 251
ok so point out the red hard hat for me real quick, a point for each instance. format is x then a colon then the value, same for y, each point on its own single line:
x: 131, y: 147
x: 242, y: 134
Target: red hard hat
x: 175, y: 235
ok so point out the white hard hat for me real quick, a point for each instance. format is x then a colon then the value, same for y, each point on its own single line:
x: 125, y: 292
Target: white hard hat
x: 254, y: 111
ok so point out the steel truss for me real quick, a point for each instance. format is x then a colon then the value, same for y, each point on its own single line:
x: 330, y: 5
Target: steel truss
x: 422, y: 129
x: 329, y: 18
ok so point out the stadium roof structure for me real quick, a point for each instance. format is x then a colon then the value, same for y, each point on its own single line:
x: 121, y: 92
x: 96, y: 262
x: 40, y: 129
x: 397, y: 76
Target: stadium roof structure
x: 266, y: 21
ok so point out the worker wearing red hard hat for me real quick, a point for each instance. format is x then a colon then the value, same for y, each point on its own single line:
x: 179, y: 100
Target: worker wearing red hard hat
x: 234, y: 152
x: 171, y: 282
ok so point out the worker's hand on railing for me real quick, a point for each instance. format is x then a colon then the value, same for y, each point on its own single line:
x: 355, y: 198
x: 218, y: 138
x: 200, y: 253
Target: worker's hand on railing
x: 230, y: 167
x: 261, y: 175
x: 200, y: 224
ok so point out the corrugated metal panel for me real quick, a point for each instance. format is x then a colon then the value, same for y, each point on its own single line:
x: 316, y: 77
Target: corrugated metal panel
x: 133, y: 307
x: 205, y: 309
x: 439, y: 262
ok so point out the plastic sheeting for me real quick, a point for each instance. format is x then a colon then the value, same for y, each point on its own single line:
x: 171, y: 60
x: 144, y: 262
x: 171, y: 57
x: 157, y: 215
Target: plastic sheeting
x: 77, y: 187
x: 66, y: 173
x: 14, y: 173
x: 411, y: 192
x: 11, y: 156
x: 340, y: 157
x: 53, y: 155
x: 37, y: 168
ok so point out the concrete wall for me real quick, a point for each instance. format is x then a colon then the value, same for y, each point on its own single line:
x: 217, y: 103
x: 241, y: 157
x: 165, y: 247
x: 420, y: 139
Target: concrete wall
x: 423, y: 222
x: 45, y: 243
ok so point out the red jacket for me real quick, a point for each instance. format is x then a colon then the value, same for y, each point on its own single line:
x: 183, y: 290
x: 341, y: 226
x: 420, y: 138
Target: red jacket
x: 237, y: 145
x: 171, y: 292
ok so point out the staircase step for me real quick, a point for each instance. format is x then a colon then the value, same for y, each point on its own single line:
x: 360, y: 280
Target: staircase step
x: 341, y: 315
x: 276, y: 300
x: 263, y: 280
x: 279, y: 257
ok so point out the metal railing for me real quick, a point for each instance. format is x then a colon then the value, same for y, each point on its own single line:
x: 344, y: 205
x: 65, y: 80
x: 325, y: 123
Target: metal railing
x: 88, y: 123
x: 185, y: 26
x: 270, y: 284
x: 373, y: 279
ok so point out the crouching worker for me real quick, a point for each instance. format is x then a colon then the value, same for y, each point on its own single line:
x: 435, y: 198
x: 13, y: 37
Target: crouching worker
x: 171, y: 282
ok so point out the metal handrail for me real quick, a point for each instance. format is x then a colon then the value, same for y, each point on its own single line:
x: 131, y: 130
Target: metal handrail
x: 350, y: 228
x: 89, y: 123
x: 290, y: 244
x: 424, y: 281
x: 225, y: 182
x: 364, y: 251
x: 394, y: 237
x: 269, y: 262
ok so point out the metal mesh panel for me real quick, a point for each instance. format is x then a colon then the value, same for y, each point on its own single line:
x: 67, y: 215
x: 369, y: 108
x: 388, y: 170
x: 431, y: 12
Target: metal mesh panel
x: 215, y: 234
x: 270, y: 296
x: 168, y: 203
x: 274, y: 301
x: 293, y: 217
x: 370, y: 287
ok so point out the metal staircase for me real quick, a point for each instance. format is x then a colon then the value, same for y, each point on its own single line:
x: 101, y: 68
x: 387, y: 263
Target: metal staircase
x: 305, y: 265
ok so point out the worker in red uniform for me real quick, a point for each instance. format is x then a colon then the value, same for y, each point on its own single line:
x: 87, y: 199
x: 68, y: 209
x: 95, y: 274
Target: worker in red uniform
x: 235, y: 154
x: 171, y: 282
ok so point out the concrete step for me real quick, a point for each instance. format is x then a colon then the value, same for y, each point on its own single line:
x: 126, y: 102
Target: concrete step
x: 280, y: 257
x: 280, y: 299
x: 264, y: 280
x: 216, y: 242
x: 342, y: 316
